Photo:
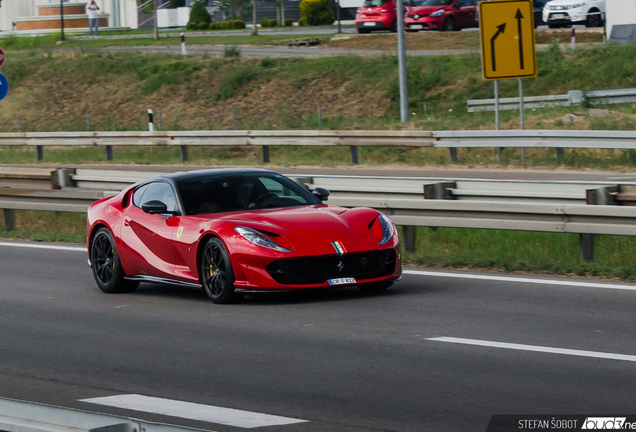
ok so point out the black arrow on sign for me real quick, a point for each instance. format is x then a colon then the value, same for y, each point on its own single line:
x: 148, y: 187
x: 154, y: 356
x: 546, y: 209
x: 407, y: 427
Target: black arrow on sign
x: 519, y: 17
x: 501, y: 28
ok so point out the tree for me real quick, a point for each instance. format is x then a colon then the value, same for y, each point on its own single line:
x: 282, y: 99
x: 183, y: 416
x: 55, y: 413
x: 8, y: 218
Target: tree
x: 199, y: 14
x: 316, y: 12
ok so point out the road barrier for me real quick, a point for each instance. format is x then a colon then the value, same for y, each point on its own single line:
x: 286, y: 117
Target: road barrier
x: 584, y: 208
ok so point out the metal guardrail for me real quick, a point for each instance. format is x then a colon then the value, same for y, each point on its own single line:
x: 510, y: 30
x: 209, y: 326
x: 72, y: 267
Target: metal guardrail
x: 20, y: 416
x: 574, y: 97
x: 429, y: 202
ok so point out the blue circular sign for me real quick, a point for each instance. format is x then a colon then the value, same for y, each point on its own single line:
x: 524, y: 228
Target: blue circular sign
x: 4, y: 86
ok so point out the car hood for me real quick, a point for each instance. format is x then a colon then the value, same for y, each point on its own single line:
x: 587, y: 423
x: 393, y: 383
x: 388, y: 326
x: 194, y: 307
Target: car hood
x: 423, y: 10
x: 308, y: 223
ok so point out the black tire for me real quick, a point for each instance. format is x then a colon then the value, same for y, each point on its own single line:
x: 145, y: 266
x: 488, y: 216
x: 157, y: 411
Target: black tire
x: 217, y: 276
x: 449, y: 24
x: 594, y: 20
x: 394, y: 27
x: 363, y: 31
x: 107, y: 269
x: 374, y: 287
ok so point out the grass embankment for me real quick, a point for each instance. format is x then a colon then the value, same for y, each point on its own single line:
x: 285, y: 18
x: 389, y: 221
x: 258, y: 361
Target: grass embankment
x: 53, y: 91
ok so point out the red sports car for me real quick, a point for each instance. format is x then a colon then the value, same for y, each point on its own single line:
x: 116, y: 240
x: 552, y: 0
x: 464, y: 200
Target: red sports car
x: 240, y: 230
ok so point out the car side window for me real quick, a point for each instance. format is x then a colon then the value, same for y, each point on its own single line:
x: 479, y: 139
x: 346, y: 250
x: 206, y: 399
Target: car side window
x: 159, y: 191
x: 138, y: 195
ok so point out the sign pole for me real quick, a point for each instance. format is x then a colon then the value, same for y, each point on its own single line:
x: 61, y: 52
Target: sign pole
x: 404, y: 94
x: 497, y: 117
x: 523, y: 149
x: 62, y: 19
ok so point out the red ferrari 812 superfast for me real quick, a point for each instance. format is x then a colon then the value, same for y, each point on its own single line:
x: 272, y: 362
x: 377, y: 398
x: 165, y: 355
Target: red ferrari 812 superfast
x: 237, y: 230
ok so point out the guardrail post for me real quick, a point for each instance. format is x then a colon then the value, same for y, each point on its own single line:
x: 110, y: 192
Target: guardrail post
x: 109, y: 152
x: 9, y: 219
x: 409, y: 232
x: 184, y: 153
x: 40, y: 152
x: 559, y: 154
x: 452, y: 154
x: 234, y: 117
x: 586, y: 247
x: 440, y: 190
x: 354, y: 154
x: 265, y: 154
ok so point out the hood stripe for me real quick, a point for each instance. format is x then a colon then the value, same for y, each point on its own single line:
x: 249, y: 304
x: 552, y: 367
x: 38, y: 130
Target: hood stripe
x: 339, y: 247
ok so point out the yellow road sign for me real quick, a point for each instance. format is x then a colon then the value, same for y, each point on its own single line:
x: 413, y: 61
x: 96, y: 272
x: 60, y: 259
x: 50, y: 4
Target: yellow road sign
x: 507, y: 39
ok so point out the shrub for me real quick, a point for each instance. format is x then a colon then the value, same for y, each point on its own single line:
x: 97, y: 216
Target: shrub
x: 273, y: 23
x: 265, y: 22
x: 231, y: 51
x: 203, y: 26
x: 302, y: 22
x: 213, y: 25
x: 316, y: 12
x: 239, y: 24
x: 267, y: 62
x: 199, y: 14
x: 192, y: 26
x: 289, y: 22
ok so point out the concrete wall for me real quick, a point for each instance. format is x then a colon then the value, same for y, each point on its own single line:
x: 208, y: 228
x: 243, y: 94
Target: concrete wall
x: 619, y: 12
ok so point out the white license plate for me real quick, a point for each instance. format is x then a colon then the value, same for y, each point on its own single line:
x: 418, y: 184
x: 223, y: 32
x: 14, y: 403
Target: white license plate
x: 558, y: 16
x: 417, y: 26
x: 369, y: 24
x: 342, y: 281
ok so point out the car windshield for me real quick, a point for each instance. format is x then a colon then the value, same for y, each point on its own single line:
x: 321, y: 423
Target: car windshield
x: 374, y: 3
x: 436, y: 2
x: 238, y: 192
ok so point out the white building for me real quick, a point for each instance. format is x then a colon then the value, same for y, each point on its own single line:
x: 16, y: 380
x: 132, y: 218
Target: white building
x: 121, y: 13
x: 619, y: 12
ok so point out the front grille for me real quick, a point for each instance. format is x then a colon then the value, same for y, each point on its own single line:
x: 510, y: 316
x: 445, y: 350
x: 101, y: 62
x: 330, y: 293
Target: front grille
x: 418, y: 16
x: 316, y: 270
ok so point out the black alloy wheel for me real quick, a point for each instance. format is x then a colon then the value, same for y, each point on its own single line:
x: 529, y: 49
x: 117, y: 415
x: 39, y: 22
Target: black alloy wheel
x: 216, y: 272
x: 449, y: 24
x: 107, y: 268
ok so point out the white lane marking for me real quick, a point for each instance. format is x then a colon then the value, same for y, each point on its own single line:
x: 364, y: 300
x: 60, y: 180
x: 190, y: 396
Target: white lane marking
x: 39, y: 246
x: 522, y: 280
x: 536, y: 348
x: 193, y: 411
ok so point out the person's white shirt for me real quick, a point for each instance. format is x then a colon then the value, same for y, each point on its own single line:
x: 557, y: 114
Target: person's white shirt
x: 92, y: 10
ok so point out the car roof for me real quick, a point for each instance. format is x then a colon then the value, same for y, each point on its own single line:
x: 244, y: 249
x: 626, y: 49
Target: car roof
x: 192, y: 175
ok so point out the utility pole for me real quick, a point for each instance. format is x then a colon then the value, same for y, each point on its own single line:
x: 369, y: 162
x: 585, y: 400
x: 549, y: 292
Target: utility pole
x: 62, y: 18
x: 404, y: 91
x: 156, y: 26
x: 255, y: 32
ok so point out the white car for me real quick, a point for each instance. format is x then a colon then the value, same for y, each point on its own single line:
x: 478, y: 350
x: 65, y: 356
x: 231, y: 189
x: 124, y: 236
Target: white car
x: 564, y: 13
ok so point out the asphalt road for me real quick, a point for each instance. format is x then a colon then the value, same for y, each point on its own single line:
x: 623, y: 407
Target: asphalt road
x: 340, y: 359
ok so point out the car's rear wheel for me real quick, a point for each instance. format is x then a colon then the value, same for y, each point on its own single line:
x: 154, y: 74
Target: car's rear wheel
x: 394, y: 26
x: 363, y: 31
x: 449, y: 24
x: 217, y: 276
x: 594, y: 19
x: 374, y: 287
x: 107, y: 268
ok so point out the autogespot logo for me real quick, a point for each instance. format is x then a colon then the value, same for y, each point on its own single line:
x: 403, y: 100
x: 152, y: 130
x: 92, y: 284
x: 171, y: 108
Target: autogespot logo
x: 606, y: 423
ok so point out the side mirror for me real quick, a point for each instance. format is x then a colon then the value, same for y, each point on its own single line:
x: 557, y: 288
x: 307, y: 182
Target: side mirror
x: 154, y: 207
x: 321, y: 193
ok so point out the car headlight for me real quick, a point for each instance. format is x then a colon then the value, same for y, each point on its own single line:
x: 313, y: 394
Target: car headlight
x: 387, y: 229
x: 259, y: 239
x: 438, y: 13
x: 575, y: 6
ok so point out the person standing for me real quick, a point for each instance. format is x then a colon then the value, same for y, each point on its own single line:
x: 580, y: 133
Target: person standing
x: 93, y: 18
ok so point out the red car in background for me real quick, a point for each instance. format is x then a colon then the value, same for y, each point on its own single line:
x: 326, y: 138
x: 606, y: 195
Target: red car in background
x: 379, y: 15
x: 446, y: 15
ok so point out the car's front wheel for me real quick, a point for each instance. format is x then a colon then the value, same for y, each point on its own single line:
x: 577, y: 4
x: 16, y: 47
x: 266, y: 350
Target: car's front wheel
x: 594, y: 19
x: 449, y: 24
x: 107, y: 268
x: 216, y: 272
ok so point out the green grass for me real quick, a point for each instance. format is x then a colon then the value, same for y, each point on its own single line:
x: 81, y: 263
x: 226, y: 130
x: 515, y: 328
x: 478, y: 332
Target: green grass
x: 614, y: 256
x: 47, y: 226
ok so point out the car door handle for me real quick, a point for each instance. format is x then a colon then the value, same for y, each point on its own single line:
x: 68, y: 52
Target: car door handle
x: 126, y: 222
